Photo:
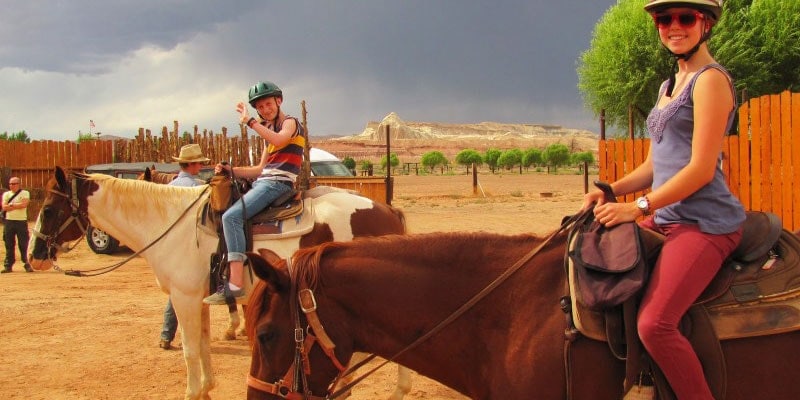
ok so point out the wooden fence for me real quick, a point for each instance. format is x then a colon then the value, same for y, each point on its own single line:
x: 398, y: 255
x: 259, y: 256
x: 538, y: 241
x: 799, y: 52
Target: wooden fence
x: 761, y: 164
x: 35, y: 162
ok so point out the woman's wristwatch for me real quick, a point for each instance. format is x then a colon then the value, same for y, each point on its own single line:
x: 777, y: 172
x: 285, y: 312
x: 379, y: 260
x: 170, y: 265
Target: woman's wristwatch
x: 643, y: 204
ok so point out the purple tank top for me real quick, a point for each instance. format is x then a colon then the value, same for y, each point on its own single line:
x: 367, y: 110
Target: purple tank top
x: 713, y: 207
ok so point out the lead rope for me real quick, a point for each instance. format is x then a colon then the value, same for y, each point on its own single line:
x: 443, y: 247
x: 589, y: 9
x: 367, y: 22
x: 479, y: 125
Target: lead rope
x: 107, y: 269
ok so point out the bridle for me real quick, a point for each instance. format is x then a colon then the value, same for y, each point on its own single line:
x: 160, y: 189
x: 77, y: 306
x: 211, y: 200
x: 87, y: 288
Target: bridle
x: 76, y: 216
x: 288, y: 388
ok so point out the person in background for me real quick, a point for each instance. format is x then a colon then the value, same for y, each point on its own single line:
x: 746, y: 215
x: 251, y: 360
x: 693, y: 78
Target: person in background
x: 191, y: 160
x: 15, y: 228
x: 274, y: 175
x: 690, y: 203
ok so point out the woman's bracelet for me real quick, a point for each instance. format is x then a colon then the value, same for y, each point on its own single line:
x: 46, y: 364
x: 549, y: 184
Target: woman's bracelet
x: 250, y: 122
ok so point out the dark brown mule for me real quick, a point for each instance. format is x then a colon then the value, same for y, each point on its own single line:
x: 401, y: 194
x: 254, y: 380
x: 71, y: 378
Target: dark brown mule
x: 378, y: 295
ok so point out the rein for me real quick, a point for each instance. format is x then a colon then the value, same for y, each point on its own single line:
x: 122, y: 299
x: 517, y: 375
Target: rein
x: 299, y: 350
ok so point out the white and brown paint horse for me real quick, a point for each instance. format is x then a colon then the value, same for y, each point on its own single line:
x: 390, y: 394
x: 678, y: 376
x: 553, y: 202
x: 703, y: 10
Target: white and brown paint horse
x: 162, y: 222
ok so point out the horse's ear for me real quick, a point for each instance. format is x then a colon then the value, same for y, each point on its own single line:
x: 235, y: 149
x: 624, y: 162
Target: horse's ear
x: 148, y: 176
x: 61, y: 178
x: 267, y: 265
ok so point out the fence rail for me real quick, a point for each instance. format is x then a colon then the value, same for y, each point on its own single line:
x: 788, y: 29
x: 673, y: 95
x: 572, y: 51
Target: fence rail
x: 761, y: 163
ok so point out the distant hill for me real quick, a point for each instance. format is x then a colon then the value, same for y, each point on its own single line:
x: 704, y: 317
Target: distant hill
x: 410, y: 139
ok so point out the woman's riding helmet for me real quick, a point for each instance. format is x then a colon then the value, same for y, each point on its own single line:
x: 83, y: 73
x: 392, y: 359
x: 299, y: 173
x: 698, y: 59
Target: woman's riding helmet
x: 714, y: 7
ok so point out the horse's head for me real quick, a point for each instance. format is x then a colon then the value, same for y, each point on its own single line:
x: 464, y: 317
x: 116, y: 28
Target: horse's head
x: 147, y: 175
x: 62, y: 218
x: 155, y: 176
x: 289, y: 353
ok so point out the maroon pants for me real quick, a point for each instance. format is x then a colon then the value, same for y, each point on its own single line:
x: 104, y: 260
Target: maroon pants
x: 688, y: 262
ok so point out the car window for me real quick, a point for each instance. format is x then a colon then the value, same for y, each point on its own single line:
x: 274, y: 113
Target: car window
x: 329, y: 168
x: 128, y: 175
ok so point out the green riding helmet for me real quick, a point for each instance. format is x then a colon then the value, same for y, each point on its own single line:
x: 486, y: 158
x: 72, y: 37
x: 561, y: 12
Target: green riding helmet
x: 712, y: 6
x: 264, y: 89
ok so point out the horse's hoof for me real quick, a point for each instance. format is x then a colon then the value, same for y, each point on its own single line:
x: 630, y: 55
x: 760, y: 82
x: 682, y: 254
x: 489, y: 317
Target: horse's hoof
x: 230, y: 335
x: 165, y: 344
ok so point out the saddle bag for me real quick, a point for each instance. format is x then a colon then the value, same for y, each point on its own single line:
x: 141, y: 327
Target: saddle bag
x: 610, y: 264
x: 222, y: 192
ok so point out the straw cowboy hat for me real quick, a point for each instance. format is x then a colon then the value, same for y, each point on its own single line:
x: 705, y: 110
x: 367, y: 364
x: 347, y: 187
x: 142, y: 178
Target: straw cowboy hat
x: 191, y: 153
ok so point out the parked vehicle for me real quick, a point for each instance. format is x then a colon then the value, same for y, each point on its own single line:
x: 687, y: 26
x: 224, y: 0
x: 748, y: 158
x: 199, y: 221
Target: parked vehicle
x: 327, y: 164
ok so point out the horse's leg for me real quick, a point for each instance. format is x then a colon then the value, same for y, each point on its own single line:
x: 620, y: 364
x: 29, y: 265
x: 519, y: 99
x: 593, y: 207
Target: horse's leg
x: 208, y: 381
x: 233, y: 322
x: 403, y: 379
x: 193, y: 320
x: 243, y: 331
x: 403, y: 383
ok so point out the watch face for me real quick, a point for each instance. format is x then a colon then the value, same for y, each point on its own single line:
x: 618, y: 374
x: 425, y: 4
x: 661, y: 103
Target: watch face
x: 642, y: 203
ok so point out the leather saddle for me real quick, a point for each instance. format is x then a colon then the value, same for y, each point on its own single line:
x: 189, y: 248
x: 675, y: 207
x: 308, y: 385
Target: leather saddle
x: 755, y: 293
x: 759, y: 279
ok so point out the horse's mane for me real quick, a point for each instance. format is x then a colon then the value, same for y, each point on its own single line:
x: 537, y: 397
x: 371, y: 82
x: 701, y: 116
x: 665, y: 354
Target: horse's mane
x: 425, y: 246
x: 161, y: 177
x: 306, y: 261
x: 133, y: 194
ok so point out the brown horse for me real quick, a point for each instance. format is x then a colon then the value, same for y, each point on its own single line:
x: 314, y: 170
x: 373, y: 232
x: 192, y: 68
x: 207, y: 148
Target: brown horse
x: 379, y: 295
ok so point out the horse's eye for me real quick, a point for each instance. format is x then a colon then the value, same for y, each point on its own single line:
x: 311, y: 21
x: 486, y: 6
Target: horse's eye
x: 267, y: 336
x: 48, y: 211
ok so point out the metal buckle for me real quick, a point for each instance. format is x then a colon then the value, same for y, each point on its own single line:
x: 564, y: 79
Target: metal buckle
x: 307, y: 301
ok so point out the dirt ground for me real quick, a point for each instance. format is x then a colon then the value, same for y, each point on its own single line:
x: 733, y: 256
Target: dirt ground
x: 64, y: 337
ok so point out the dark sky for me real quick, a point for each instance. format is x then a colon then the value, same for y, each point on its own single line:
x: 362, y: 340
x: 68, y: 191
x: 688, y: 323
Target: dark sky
x: 130, y: 64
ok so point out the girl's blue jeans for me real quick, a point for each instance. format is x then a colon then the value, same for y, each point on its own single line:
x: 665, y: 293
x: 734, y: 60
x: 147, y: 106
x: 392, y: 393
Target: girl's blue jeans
x: 262, y: 194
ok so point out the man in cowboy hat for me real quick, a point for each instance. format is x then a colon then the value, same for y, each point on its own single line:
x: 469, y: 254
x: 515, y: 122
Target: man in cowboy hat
x: 191, y: 160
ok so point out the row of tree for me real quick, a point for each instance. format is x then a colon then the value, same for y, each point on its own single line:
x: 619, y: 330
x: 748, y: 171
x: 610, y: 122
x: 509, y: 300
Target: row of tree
x: 20, y: 136
x: 553, y: 156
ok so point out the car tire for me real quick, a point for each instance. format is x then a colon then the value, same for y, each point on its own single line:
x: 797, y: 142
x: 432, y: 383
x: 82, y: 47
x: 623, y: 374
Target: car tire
x: 101, y: 242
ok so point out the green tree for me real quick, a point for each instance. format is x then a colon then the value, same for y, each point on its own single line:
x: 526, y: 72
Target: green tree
x: 581, y: 157
x: 556, y: 155
x: 468, y: 157
x: 20, y: 136
x: 433, y: 159
x: 531, y: 157
x: 349, y: 162
x: 490, y: 157
x: 759, y: 45
x: 366, y: 165
x: 394, y: 161
x: 511, y: 158
x: 86, y: 137
x: 626, y: 63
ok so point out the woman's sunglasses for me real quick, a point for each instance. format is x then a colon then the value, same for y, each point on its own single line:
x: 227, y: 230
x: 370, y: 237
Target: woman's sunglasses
x: 685, y: 19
